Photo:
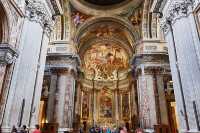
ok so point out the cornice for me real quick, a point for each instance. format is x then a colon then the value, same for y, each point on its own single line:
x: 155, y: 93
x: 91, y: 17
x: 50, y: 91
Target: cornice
x: 63, y: 62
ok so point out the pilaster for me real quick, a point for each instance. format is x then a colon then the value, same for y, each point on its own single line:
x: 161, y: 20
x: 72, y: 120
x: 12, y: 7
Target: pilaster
x: 150, y: 64
x: 65, y: 64
x: 52, y: 97
x: 8, y: 56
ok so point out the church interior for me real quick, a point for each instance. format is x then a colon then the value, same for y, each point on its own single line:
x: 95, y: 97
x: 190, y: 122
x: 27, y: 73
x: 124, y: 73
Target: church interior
x: 77, y: 65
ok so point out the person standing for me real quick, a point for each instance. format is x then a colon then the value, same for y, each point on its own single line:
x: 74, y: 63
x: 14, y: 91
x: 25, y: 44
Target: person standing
x: 81, y: 130
x: 91, y: 130
x: 24, y: 129
x: 37, y: 129
x: 125, y: 129
x: 139, y: 130
x: 14, y: 129
x: 108, y: 130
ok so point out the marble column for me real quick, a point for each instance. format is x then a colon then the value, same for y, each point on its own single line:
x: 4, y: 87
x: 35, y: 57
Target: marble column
x: 66, y: 67
x: 95, y: 107
x: 134, y: 108
x: 152, y: 102
x: 150, y: 65
x: 65, y: 98
x: 162, y: 99
x: 51, y: 98
x: 78, y: 100
x: 116, y: 106
x: 146, y: 101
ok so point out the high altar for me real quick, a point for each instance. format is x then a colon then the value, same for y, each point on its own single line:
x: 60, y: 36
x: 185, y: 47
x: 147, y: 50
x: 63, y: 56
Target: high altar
x: 106, y: 94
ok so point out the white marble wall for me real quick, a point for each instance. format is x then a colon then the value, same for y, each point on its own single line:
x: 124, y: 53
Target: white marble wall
x: 162, y: 100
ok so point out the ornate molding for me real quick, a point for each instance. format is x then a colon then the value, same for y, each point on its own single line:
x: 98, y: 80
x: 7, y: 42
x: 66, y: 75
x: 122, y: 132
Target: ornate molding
x: 176, y: 10
x: 122, y: 23
x: 8, y: 54
x: 149, y: 63
x: 55, y: 6
x: 122, y: 85
x: 118, y: 41
x: 62, y: 62
x: 36, y: 11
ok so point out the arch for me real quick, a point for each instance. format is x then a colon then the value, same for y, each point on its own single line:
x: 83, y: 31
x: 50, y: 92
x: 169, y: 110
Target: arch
x: 120, y: 43
x: 5, y: 20
x: 126, y: 27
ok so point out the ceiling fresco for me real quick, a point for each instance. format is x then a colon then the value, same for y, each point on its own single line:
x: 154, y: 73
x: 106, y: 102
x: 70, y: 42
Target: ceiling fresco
x: 106, y: 30
x: 104, y: 62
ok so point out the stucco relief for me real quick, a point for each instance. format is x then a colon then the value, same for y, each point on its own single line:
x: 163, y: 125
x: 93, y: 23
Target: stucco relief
x: 36, y: 11
x: 176, y: 10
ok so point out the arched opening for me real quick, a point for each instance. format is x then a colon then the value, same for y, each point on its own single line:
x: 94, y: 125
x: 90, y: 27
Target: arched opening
x: 105, y: 46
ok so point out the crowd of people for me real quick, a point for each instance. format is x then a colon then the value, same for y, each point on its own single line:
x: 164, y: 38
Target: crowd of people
x: 24, y: 129
x: 94, y: 129
x: 97, y: 129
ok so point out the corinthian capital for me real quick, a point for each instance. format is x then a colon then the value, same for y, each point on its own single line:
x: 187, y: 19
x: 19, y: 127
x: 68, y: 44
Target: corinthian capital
x: 176, y: 10
x: 37, y: 11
